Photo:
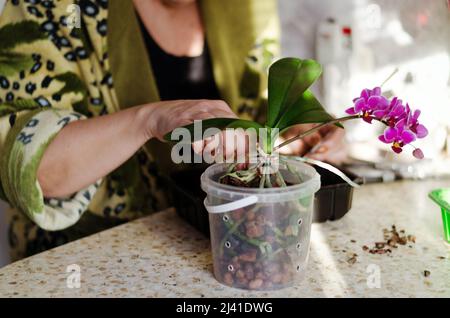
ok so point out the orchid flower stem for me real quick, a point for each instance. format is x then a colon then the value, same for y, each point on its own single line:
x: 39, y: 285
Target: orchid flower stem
x: 313, y: 130
x: 317, y: 128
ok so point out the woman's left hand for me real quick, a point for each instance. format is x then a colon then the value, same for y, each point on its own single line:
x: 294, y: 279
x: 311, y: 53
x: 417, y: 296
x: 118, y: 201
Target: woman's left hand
x: 328, y: 144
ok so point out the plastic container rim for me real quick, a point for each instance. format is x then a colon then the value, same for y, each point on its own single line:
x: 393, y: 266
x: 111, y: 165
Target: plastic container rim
x: 297, y: 191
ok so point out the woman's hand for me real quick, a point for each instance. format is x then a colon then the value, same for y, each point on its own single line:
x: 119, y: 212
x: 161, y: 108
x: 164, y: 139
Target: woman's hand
x: 163, y: 117
x: 106, y: 142
x: 328, y: 144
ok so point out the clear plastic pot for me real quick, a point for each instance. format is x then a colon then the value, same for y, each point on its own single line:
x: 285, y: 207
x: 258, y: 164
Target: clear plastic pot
x: 260, y: 238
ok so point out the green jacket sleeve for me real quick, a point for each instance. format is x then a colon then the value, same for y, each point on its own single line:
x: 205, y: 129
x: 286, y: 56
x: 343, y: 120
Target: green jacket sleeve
x: 40, y: 93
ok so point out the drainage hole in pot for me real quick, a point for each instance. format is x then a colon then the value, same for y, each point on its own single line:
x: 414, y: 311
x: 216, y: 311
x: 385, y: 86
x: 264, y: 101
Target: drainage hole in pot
x: 226, y: 218
x: 227, y: 244
x: 300, y: 221
x: 230, y: 268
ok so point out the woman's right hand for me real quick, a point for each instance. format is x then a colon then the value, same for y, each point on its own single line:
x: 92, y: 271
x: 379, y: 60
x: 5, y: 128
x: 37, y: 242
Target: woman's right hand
x: 108, y: 141
x: 163, y: 117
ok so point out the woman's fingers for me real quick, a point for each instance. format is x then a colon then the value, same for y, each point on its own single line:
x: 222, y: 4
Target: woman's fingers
x: 207, y: 110
x: 332, y: 149
x: 200, y: 116
x: 221, y: 106
x: 312, y: 139
x: 235, y: 145
x: 333, y: 156
x: 301, y: 146
x: 296, y: 148
x: 169, y: 115
x: 229, y: 145
x: 213, y: 107
x: 224, y: 144
x: 198, y: 146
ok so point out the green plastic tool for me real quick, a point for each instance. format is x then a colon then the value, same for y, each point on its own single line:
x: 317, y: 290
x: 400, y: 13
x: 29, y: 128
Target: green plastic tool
x: 442, y: 198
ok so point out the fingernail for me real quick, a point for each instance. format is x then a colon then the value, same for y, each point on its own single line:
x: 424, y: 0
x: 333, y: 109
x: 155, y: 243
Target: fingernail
x: 322, y: 149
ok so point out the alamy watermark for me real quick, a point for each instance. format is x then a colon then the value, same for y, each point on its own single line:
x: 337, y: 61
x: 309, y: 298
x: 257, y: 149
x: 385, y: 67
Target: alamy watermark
x: 374, y: 277
x: 73, y: 19
x: 232, y: 145
x: 73, y: 280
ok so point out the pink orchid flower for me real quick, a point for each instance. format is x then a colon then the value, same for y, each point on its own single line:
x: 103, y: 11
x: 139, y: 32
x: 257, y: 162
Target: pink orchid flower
x: 403, y: 123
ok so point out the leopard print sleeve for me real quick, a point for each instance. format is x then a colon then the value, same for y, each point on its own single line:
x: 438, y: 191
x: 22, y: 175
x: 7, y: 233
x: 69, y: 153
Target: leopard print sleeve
x: 42, y: 63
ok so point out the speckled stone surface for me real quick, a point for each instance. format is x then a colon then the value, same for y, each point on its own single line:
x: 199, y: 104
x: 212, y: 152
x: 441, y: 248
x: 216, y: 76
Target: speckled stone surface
x: 162, y: 256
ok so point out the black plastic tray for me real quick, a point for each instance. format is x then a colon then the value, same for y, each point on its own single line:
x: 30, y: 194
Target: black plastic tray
x: 335, y: 197
x: 332, y: 201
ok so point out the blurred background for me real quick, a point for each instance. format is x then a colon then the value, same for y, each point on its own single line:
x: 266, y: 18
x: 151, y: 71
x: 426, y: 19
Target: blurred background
x: 360, y: 43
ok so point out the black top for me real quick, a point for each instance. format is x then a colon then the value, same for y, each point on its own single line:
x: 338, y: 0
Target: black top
x: 181, y: 77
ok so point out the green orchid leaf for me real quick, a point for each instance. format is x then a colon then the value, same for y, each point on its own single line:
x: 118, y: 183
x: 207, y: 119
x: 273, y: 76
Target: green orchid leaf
x: 306, y: 110
x: 289, y: 78
x: 219, y: 123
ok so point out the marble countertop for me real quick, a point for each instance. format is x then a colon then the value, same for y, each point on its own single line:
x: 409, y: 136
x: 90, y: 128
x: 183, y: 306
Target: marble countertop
x: 162, y: 256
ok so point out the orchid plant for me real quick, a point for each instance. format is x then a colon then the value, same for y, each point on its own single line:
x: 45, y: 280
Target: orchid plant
x: 291, y: 102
